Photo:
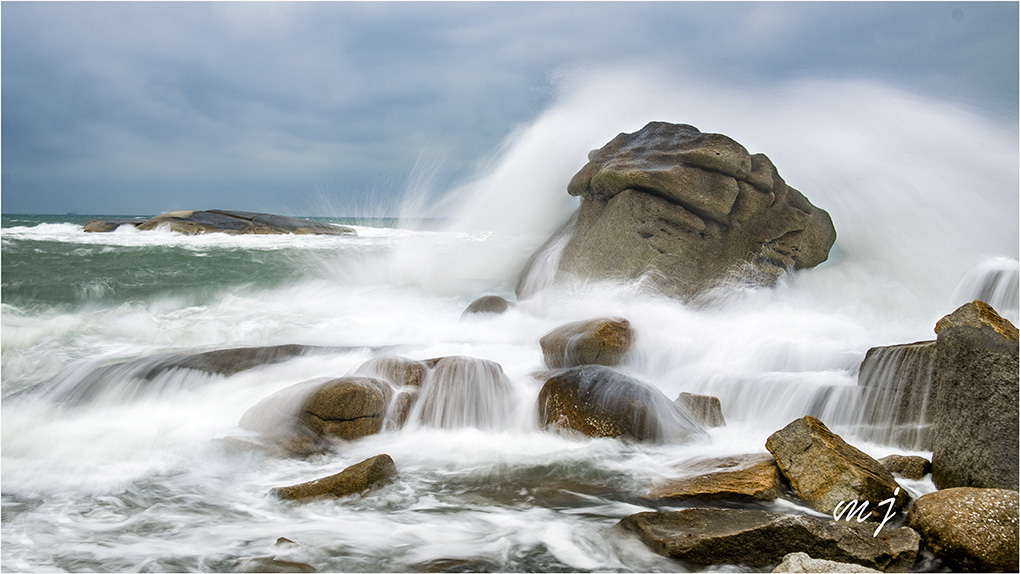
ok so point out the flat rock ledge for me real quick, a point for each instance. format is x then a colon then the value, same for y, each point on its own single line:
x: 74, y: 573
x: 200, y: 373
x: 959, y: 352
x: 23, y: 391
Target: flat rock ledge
x: 354, y: 479
x: 751, y: 479
x: 758, y: 538
x: 222, y: 221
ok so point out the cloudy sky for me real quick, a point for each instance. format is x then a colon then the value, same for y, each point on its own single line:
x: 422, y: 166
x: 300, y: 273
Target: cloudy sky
x: 326, y: 108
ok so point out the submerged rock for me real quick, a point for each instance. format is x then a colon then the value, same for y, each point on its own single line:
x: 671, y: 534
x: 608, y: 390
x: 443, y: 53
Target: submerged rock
x: 825, y: 471
x: 912, y: 467
x: 688, y: 210
x: 801, y: 562
x: 398, y: 371
x: 354, y: 479
x: 488, y: 304
x: 706, y: 409
x: 745, y: 479
x: 239, y: 222
x: 592, y: 342
x: 600, y: 402
x: 977, y: 373
x: 970, y: 529
x: 271, y: 564
x: 464, y: 392
x: 759, y: 538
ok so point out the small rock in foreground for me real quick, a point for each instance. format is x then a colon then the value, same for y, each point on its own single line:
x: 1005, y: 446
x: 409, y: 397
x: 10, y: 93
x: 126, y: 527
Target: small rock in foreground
x: 755, y: 479
x: 800, y: 562
x: 911, y: 467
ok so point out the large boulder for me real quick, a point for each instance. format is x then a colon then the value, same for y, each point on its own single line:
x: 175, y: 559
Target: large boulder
x: 970, y: 529
x: 351, y: 480
x: 750, y: 478
x: 758, y: 538
x: 688, y: 210
x: 600, y: 402
x: 592, y: 342
x: 826, y: 471
x: 976, y: 440
x: 239, y: 222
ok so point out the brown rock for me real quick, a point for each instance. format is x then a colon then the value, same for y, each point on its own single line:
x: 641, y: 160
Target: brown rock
x: 758, y: 538
x: 464, y: 392
x: 970, y: 529
x: 600, y: 402
x: 347, y: 408
x: 824, y: 470
x: 351, y: 480
x: 706, y: 409
x: 912, y: 467
x: 753, y: 478
x: 593, y: 342
x: 978, y: 314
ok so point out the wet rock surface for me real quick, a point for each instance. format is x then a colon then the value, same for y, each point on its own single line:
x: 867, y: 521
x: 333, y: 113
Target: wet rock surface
x: 912, y: 467
x: 747, y: 479
x: 706, y: 409
x: 970, y: 529
x: 492, y: 304
x: 593, y: 342
x: 803, y: 563
x: 758, y: 538
x: 354, y: 479
x: 688, y: 210
x: 600, y: 402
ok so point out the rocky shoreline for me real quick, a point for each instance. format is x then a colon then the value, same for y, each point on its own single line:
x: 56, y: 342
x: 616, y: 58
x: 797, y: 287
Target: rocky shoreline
x: 691, y: 212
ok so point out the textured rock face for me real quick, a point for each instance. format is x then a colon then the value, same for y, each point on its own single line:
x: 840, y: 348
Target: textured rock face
x: 399, y: 371
x: 235, y: 222
x: 593, y: 342
x: 899, y: 394
x: 706, y: 409
x: 970, y: 529
x: 351, y: 480
x: 600, y: 402
x: 758, y: 538
x: 754, y: 478
x: 689, y: 209
x: 801, y: 562
x: 976, y: 440
x: 824, y: 470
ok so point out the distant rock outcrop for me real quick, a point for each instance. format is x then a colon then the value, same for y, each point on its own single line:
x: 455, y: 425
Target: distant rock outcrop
x: 688, y: 210
x: 221, y: 221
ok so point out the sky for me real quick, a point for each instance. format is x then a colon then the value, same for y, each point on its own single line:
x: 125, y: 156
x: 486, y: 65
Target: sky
x: 337, y: 108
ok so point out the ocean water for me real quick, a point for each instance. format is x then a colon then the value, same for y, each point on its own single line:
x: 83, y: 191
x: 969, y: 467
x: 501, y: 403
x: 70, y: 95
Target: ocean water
x: 138, y: 477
